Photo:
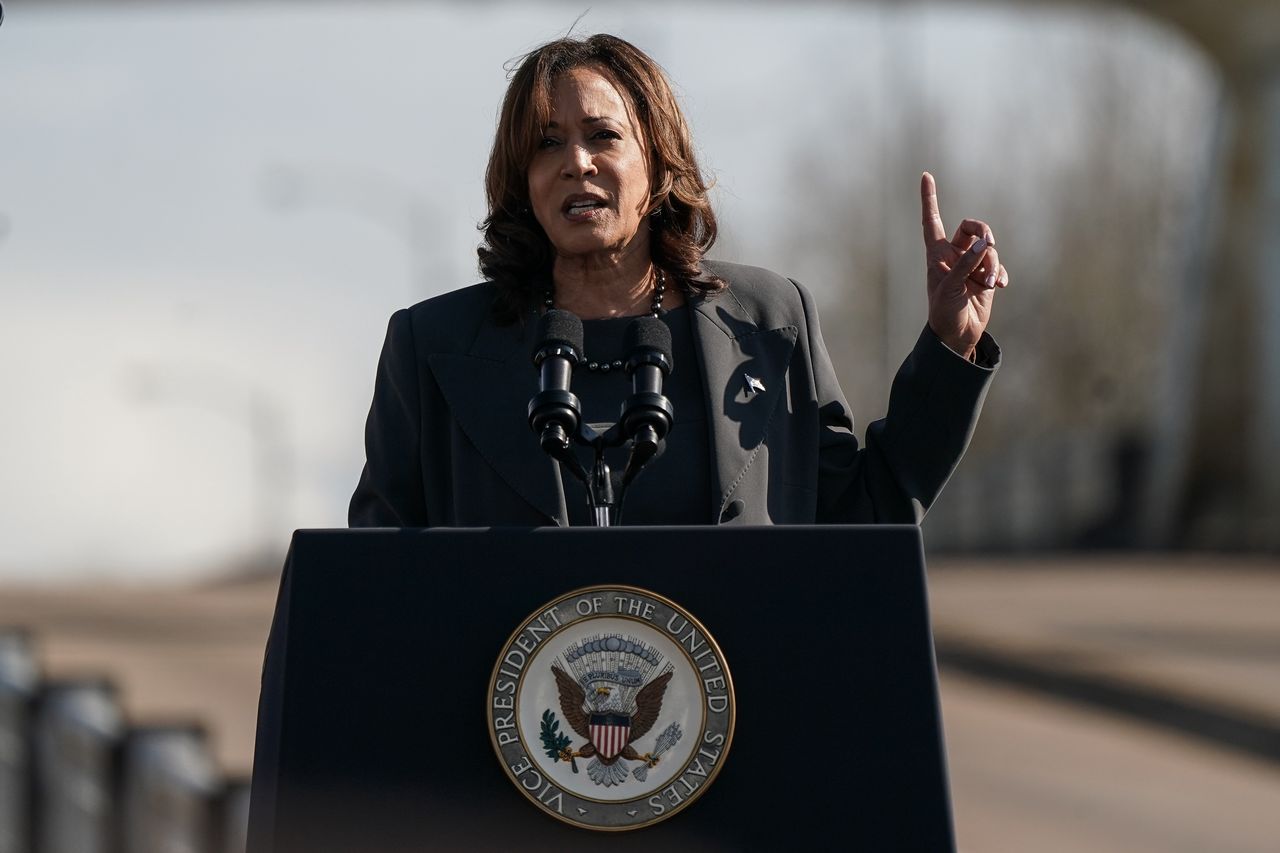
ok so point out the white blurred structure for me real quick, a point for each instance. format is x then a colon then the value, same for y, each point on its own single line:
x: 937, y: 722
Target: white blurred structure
x: 1218, y: 454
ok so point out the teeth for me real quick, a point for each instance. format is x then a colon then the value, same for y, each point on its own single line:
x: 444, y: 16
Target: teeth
x: 580, y: 206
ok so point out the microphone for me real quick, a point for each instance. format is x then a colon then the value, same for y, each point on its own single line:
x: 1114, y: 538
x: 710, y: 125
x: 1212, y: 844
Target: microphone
x: 554, y: 412
x: 647, y: 415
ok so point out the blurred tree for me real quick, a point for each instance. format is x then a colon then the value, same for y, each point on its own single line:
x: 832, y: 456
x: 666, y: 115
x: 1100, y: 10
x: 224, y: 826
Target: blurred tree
x: 1089, y: 211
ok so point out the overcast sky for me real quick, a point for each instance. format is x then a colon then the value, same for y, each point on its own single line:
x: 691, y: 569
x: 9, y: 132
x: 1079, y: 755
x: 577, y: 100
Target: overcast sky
x: 208, y: 211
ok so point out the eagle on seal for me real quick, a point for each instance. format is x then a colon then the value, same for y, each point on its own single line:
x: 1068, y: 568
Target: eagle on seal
x: 609, y: 733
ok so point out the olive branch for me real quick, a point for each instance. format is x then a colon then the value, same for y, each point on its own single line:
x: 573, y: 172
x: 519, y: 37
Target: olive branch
x: 554, y: 741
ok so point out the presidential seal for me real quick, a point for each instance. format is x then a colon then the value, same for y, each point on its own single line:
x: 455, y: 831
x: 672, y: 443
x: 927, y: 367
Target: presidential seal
x: 611, y: 708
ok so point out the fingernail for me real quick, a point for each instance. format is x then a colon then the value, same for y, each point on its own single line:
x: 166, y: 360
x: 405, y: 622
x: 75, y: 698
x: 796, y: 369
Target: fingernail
x: 978, y: 246
x: 991, y: 280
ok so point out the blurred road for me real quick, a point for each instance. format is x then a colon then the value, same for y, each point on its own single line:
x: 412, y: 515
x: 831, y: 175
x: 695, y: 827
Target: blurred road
x: 1030, y: 774
x: 1171, y: 639
x: 1114, y: 704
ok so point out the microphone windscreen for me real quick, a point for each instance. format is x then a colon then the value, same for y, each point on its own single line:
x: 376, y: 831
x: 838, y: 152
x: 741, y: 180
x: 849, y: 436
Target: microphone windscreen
x: 648, y: 333
x: 558, y: 327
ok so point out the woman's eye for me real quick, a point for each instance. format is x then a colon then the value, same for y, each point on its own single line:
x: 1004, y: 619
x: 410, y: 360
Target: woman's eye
x: 607, y: 134
x: 548, y: 141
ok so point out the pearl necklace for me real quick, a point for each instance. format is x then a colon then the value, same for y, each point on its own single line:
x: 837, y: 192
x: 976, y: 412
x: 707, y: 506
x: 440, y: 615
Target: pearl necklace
x: 655, y: 309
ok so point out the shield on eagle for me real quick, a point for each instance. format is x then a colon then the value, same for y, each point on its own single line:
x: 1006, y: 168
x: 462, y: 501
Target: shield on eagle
x: 610, y: 733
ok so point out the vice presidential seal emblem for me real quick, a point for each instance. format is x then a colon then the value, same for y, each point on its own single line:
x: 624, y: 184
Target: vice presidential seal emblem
x: 611, y: 708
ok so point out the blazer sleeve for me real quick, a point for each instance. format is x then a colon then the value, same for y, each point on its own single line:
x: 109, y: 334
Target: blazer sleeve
x: 934, y: 404
x: 390, y: 492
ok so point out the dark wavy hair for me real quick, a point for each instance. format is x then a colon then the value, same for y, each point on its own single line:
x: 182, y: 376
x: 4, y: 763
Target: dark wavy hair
x: 516, y: 254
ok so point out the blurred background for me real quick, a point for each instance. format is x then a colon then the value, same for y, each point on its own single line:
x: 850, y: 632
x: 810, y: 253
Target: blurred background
x: 208, y: 211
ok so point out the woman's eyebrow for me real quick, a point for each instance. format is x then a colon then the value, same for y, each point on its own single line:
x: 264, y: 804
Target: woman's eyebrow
x: 587, y: 120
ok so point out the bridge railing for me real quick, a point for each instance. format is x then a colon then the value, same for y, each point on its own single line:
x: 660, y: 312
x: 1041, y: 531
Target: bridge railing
x: 19, y: 684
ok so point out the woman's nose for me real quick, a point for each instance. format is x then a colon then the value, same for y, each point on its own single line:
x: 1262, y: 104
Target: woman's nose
x: 578, y: 162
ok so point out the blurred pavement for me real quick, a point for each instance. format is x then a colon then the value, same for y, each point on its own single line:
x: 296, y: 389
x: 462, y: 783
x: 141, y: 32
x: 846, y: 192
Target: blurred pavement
x: 1190, y: 643
x: 1116, y: 703
x: 1091, y: 704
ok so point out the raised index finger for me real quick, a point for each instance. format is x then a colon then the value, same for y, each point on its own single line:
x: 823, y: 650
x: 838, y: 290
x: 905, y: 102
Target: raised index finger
x: 929, y: 216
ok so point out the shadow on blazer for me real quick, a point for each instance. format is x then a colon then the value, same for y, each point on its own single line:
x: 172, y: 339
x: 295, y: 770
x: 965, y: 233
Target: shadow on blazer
x: 448, y: 444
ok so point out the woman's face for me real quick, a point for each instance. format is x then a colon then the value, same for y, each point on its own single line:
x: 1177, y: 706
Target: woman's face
x: 589, y: 178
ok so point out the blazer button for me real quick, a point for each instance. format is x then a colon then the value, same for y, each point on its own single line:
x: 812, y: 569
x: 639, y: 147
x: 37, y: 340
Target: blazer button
x: 732, y: 511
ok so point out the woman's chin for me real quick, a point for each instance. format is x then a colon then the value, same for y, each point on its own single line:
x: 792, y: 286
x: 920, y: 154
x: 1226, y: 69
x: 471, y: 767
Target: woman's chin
x: 584, y: 246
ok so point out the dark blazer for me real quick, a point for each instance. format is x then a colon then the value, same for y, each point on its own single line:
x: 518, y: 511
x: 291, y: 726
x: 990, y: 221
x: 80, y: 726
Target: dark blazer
x: 448, y: 444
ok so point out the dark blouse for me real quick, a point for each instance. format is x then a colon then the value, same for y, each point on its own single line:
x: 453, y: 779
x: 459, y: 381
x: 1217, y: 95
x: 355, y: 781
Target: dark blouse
x: 674, y: 488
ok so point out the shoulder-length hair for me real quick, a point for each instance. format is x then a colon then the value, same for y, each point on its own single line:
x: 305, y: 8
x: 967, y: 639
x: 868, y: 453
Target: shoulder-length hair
x: 516, y: 253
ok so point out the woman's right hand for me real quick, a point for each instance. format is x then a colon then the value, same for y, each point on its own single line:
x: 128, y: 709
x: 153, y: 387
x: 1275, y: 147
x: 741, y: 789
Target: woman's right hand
x: 963, y: 273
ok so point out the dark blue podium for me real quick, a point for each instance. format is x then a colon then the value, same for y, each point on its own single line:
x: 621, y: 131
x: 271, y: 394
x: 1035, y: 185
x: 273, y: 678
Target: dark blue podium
x: 371, y: 734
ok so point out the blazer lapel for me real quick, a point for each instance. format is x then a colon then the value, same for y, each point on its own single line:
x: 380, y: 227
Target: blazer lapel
x: 488, y: 392
x: 744, y: 372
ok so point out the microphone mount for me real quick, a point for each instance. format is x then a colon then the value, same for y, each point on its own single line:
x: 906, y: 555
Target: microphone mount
x: 555, y: 413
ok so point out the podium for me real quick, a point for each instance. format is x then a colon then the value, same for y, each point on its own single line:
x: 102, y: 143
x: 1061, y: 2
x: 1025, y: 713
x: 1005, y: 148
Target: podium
x: 372, y: 735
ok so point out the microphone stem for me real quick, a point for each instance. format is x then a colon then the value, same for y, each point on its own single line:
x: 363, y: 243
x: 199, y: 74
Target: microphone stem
x: 600, y: 492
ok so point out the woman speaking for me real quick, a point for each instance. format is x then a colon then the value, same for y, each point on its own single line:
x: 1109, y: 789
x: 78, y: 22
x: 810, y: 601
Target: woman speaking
x: 597, y: 206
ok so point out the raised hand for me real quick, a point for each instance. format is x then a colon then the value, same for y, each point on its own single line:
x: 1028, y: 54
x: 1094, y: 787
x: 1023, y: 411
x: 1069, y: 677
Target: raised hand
x: 963, y: 273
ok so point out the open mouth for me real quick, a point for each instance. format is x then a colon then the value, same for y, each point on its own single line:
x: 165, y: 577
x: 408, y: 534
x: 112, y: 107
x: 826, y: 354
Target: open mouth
x: 582, y: 206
